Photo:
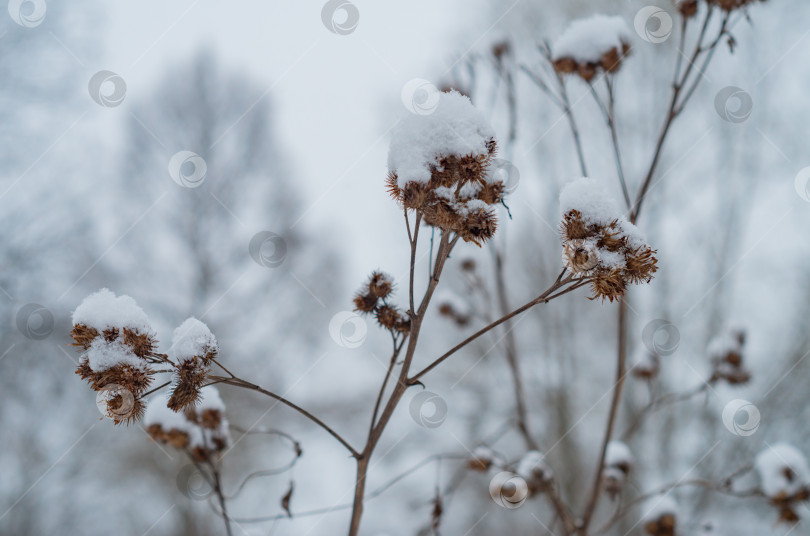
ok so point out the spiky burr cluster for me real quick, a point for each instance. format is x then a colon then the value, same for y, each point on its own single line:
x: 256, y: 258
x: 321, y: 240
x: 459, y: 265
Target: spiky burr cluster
x: 439, y: 166
x: 120, y: 361
x: 202, y: 429
x: 600, y: 244
x: 372, y: 299
x: 590, y: 46
x: 118, y: 353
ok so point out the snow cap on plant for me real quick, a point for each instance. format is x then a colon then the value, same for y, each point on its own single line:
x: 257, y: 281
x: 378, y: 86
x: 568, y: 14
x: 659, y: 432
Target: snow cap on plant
x: 533, y: 469
x: 726, y: 353
x: 784, y: 478
x: 118, y: 348
x: 660, y: 516
x: 193, y: 348
x: 202, y: 430
x: 438, y: 166
x: 588, y: 46
x: 599, y: 243
x: 619, y: 462
x: 483, y: 458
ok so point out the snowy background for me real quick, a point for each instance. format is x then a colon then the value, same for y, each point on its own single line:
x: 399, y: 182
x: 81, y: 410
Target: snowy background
x: 293, y: 122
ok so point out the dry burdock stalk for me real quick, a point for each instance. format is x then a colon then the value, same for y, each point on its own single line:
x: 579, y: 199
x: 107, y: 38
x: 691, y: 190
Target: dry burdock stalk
x: 590, y: 46
x: 601, y: 245
x: 439, y: 168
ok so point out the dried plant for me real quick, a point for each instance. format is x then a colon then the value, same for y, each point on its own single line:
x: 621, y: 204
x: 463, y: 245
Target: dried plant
x: 441, y: 176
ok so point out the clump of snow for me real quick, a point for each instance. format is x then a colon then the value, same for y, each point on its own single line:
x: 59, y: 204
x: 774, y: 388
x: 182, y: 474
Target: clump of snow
x: 532, y: 465
x: 783, y: 471
x: 657, y: 507
x: 587, y: 40
x: 103, y: 355
x: 210, y: 399
x: 591, y: 198
x: 192, y: 338
x: 645, y: 362
x: 729, y: 341
x: 618, y: 454
x: 157, y: 412
x: 418, y: 142
x: 104, y: 310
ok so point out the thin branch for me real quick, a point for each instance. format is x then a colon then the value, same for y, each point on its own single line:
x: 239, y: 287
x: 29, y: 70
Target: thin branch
x: 542, y: 298
x: 238, y: 382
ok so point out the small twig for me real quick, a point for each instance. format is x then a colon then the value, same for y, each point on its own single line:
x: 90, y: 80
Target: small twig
x: 238, y: 382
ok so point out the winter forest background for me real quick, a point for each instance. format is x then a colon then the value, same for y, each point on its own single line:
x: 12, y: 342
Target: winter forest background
x: 293, y: 120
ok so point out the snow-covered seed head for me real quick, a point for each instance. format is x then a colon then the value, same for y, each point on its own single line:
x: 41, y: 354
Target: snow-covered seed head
x: 660, y: 517
x: 118, y: 346
x: 439, y: 166
x: 726, y: 353
x: 194, y: 348
x: 592, y: 45
x: 599, y: 243
x: 784, y: 476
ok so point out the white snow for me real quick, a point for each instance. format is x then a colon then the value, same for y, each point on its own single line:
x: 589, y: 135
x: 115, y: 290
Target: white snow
x: 657, y: 507
x: 618, y: 453
x: 531, y: 464
x: 210, y: 399
x: 783, y: 470
x: 192, y: 338
x: 103, y: 355
x: 587, y: 40
x: 455, y: 127
x: 157, y: 412
x: 591, y: 198
x: 644, y: 360
x: 725, y: 343
x: 103, y: 310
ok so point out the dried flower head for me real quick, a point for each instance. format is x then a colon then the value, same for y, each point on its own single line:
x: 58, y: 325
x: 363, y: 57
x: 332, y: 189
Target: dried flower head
x: 661, y: 516
x: 784, y: 477
x: 439, y: 166
x: 726, y: 354
x: 454, y: 307
x: 194, y: 348
x: 646, y: 365
x: 118, y: 349
x: 589, y: 46
x: 599, y: 243
x: 619, y: 462
x: 202, y: 431
x: 372, y: 299
x: 532, y: 468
